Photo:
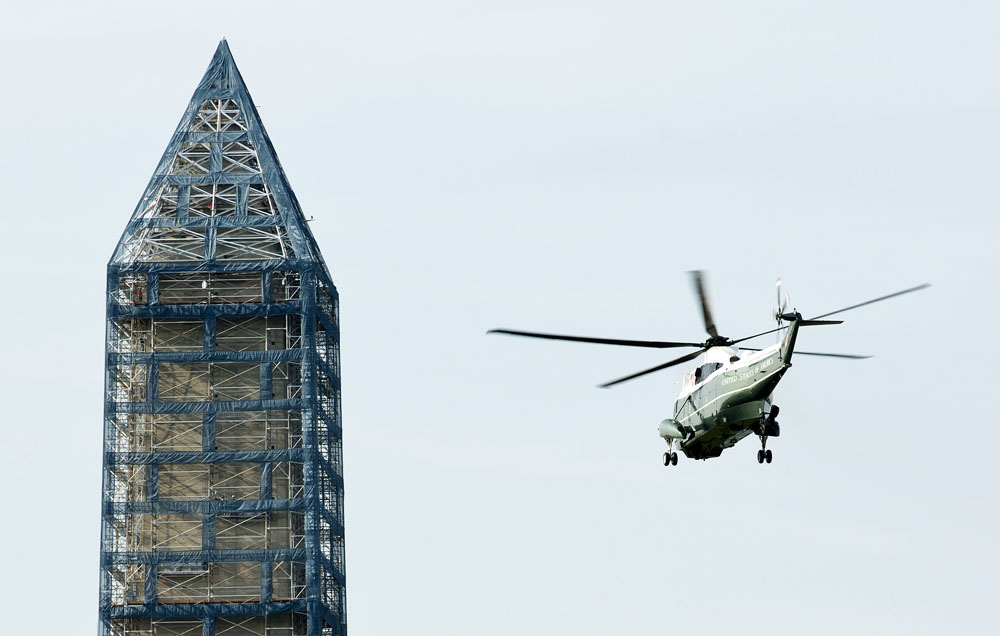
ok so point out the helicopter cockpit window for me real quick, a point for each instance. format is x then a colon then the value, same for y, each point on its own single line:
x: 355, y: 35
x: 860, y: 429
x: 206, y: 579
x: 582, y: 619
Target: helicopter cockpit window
x: 705, y: 370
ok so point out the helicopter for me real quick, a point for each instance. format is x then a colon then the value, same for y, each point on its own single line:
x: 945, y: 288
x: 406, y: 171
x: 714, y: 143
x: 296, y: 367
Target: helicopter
x: 730, y: 395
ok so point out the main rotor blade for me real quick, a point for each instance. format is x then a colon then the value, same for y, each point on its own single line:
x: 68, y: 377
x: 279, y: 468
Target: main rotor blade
x: 757, y: 335
x: 690, y: 356
x: 699, y: 287
x: 652, y: 344
x: 813, y: 353
x: 868, y: 302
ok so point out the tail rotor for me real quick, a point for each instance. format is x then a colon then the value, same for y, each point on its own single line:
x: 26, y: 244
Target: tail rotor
x: 782, y: 305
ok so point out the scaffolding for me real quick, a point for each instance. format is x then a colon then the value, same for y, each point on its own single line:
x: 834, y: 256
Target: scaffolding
x: 223, y: 509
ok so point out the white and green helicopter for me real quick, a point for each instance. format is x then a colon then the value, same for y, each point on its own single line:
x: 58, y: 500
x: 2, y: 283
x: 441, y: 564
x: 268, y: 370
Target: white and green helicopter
x: 730, y: 395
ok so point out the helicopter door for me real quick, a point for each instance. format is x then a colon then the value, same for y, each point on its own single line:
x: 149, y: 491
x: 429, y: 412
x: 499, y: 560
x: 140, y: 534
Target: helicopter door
x: 710, y: 389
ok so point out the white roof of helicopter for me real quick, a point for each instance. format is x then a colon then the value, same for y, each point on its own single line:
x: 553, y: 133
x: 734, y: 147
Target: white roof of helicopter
x: 720, y: 354
x: 725, y: 354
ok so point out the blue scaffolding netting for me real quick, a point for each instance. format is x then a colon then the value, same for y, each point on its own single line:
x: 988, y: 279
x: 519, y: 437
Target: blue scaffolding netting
x: 222, y: 502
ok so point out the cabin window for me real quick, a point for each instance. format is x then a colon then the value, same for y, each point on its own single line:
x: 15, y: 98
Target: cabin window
x: 705, y: 370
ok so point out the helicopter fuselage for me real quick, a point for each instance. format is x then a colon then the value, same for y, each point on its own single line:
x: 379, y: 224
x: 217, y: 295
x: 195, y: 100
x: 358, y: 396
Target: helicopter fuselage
x: 728, y: 398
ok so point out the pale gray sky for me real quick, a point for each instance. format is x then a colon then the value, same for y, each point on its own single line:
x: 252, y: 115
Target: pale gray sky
x: 556, y: 165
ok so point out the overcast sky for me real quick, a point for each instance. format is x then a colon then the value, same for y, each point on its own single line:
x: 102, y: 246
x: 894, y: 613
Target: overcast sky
x: 556, y: 166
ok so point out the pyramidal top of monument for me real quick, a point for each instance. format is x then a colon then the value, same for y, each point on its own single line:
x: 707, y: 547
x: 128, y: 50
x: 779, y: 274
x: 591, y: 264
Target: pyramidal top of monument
x: 218, y: 199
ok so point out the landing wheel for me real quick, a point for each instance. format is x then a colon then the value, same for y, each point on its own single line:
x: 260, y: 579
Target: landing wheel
x: 666, y: 459
x: 673, y: 459
x: 763, y: 455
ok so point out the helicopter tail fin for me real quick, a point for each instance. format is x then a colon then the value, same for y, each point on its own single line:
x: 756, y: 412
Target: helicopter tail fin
x: 788, y: 343
x: 795, y: 321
